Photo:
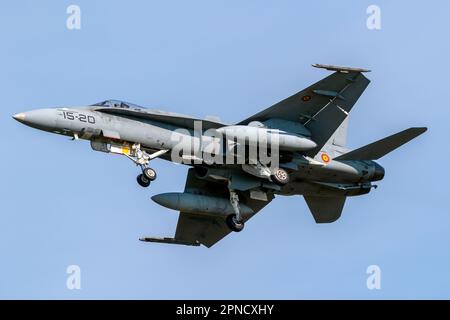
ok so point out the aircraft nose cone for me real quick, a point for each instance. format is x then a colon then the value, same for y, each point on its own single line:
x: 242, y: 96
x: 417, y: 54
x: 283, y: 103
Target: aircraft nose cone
x: 19, y: 117
x: 44, y: 119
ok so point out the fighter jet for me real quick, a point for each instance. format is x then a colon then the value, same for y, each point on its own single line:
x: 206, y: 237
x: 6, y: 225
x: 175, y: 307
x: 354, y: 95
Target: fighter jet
x: 305, y: 139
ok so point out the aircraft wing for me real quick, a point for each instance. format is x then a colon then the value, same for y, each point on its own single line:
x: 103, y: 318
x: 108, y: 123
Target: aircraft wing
x: 321, y: 107
x: 195, y: 229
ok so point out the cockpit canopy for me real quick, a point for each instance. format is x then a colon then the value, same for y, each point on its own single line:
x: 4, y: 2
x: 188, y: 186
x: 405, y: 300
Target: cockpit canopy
x: 117, y: 104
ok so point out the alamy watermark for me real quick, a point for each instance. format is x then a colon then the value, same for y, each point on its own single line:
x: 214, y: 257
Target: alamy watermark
x: 373, y: 21
x: 73, y: 281
x: 73, y: 21
x: 228, y: 145
x: 373, y: 281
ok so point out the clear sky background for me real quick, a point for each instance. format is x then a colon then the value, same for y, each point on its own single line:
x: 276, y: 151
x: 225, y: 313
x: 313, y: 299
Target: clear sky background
x: 63, y: 204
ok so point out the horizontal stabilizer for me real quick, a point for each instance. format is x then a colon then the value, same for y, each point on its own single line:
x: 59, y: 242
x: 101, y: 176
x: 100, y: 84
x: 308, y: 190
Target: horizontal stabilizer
x: 380, y: 148
x: 325, y: 209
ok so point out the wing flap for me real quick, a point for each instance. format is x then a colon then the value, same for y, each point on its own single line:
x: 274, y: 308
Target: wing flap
x: 203, y: 229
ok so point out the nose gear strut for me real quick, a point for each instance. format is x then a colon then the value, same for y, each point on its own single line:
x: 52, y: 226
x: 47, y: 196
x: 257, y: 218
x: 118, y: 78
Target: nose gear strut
x: 142, y: 159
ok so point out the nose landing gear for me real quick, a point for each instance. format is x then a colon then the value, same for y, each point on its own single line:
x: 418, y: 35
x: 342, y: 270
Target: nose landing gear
x: 142, y: 159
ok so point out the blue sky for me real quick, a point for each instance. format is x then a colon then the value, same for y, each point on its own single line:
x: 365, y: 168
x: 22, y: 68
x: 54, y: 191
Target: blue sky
x: 63, y: 204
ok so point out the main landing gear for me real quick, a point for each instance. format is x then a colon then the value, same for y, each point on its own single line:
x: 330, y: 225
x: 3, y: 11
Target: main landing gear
x: 142, y: 159
x: 280, y: 177
x: 235, y: 221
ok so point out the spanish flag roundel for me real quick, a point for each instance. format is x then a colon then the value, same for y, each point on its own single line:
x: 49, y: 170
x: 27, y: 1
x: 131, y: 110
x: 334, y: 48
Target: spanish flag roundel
x: 325, y: 158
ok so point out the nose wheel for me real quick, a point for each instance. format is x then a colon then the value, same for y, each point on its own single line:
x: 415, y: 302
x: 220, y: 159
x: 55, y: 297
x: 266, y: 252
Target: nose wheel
x: 143, y: 181
x: 146, y: 177
x: 149, y: 173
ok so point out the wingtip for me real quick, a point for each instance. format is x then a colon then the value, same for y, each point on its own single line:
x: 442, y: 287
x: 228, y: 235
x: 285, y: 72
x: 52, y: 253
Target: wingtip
x: 420, y: 130
x: 339, y: 68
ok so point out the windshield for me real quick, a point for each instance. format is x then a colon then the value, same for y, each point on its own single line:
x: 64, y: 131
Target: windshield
x: 116, y: 104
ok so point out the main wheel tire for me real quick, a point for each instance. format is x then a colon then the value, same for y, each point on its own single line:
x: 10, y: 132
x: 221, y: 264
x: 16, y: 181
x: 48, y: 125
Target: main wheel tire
x: 234, y: 224
x: 280, y: 177
x: 149, y: 173
x: 143, y: 181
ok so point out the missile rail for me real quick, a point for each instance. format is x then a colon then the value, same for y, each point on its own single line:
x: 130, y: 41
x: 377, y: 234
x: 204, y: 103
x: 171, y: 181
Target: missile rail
x: 170, y: 241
